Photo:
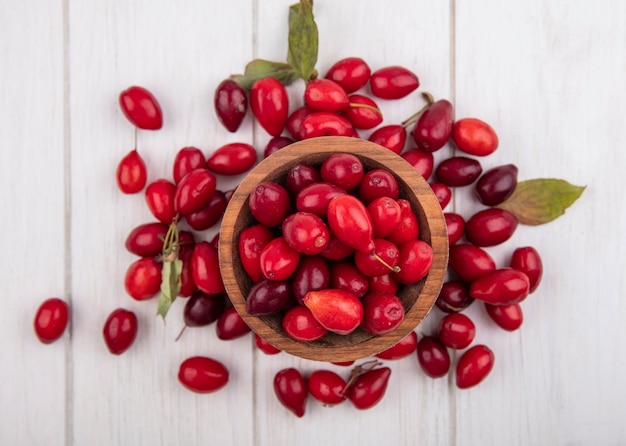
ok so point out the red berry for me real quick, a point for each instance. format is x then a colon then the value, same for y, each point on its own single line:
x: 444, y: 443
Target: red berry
x: 301, y: 176
x: 344, y: 170
x: 275, y: 144
x: 470, y: 262
x: 202, y: 375
x: 503, y: 286
x: 131, y: 174
x: 299, y: 324
x: 508, y: 317
x: 278, y: 260
x: 147, y: 239
x: 385, y: 214
x: 269, y: 203
x: 383, y: 284
x: 233, y: 158
x: 496, y: 185
x: 363, y: 113
x: 422, y: 161
x: 325, y: 124
x: 268, y: 297
x: 203, y: 309
x: 433, y: 357
x: 205, y: 268
x: 316, y: 197
x: 369, y: 388
x: 346, y: 276
x: 383, y: 313
x: 349, y: 220
x: 474, y: 366
x: 120, y: 330
x: 407, y: 228
x: 393, y: 82
x: 294, y: 121
x: 311, y: 274
x: 402, y: 349
x: 442, y: 192
x: 160, y: 200
x: 187, y: 160
x: 265, y: 346
x: 455, y: 225
x: 51, y: 320
x: 270, y: 104
x: 454, y: 297
x: 230, y: 104
x: 474, y: 136
x: 458, y: 171
x: 194, y: 191
x: 336, y: 310
x: 393, y: 137
x: 291, y: 390
x: 456, y: 330
x: 378, y: 183
x: 528, y: 260
x: 415, y: 259
x: 210, y: 214
x: 306, y: 233
x: 351, y: 73
x: 434, y: 126
x: 327, y: 387
x: 369, y: 263
x: 325, y: 95
x: 141, y: 108
x: 251, y: 242
x: 143, y: 278
x: 230, y: 325
x: 490, y: 227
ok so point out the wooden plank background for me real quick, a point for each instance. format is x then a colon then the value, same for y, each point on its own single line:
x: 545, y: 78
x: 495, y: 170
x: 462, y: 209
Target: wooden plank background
x: 549, y: 77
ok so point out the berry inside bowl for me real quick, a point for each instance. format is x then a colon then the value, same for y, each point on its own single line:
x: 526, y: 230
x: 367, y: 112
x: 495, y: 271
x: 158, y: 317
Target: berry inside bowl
x: 417, y: 298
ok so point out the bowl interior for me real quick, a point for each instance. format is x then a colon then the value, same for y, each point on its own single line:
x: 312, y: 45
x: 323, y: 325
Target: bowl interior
x: 417, y: 298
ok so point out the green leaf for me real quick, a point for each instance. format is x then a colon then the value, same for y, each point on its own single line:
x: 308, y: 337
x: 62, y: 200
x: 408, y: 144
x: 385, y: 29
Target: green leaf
x: 539, y: 201
x: 170, y: 285
x: 303, y: 39
x: 261, y: 68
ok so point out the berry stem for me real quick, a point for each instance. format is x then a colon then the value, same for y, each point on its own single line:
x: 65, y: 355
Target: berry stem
x: 181, y: 333
x: 396, y: 269
x: 413, y: 118
x: 358, y: 370
x: 369, y: 107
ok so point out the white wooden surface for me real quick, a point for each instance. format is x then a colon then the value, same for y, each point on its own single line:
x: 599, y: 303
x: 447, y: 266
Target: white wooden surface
x: 548, y: 76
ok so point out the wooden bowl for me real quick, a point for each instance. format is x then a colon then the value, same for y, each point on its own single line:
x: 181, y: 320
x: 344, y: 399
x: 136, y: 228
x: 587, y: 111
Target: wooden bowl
x: 418, y: 298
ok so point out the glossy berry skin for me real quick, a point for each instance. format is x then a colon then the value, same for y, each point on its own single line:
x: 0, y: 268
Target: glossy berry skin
x: 120, y: 330
x: 474, y: 137
x: 141, y: 108
x: 51, y: 320
x: 456, y: 330
x: 370, y: 265
x: 311, y: 274
x: 434, y: 126
x: 300, y: 325
x: 508, y: 317
x: 504, y: 286
x: 306, y: 233
x: 442, y: 192
x: 327, y: 387
x: 205, y: 268
x: 316, y: 197
x: 470, y: 262
x: 203, y: 309
x: 278, y: 260
x: 325, y: 95
x: 233, y: 158
x: 230, y: 104
x: 385, y: 215
x: 415, y: 259
x: 344, y: 170
x: 336, y: 250
x: 393, y: 82
x: 455, y: 225
x: 291, y: 390
x: 131, y: 174
x: 383, y: 284
x: 143, y: 278
x: 407, y: 228
x: 159, y: 197
x: 268, y: 297
x: 474, y: 366
x: 351, y: 73
x: 369, y: 388
x: 392, y: 137
x: 301, y: 176
x: 147, y: 239
x: 270, y: 104
x: 433, y: 357
x: 378, y: 183
x: 336, y: 310
x: 346, y: 276
x: 251, y: 242
x: 187, y: 285
x: 363, y: 112
x: 187, y: 160
x: 211, y: 213
x: 265, y: 346
x: 275, y: 144
x: 490, y: 227
x: 202, y: 375
x: 382, y: 313
x: 270, y: 203
x: 497, y: 184
x: 454, y: 296
x: 458, y: 171
x: 294, y: 121
x: 230, y: 325
x: 194, y: 191
x: 528, y: 260
x: 405, y: 347
x: 423, y: 162
x: 325, y: 124
x: 349, y: 220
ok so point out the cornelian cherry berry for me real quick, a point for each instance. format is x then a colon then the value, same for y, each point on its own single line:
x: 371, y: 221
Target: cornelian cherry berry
x: 504, y: 286
x: 407, y: 228
x: 131, y: 174
x: 346, y: 276
x: 327, y: 387
x: 422, y: 161
x: 378, y: 183
x: 325, y: 124
x: 336, y: 310
x: 306, y: 233
x: 433, y: 357
x: 434, y: 126
x: 301, y: 176
x: 363, y: 112
x: 414, y: 259
x: 385, y: 215
x: 405, y: 347
x: 205, y: 268
x: 270, y: 203
x: 456, y: 330
x: 230, y: 104
x: 351, y: 73
x: 159, y: 197
x: 454, y: 296
x: 211, y: 213
x: 268, y: 297
x: 231, y: 325
x: 383, y: 313
x: 474, y: 366
x: 120, y: 330
x: 528, y: 260
x: 147, y: 239
x: 325, y: 95
x: 265, y: 346
x: 270, y: 104
x: 490, y: 227
x: 393, y: 82
x: 508, y: 317
x: 300, y: 324
x: 474, y: 137
x: 187, y: 160
x: 194, y: 191
x: 51, y: 320
x: 278, y: 260
x: 350, y: 222
x: 315, y: 198
x: 291, y: 390
x: 294, y: 121
x: 497, y: 184
x: 344, y: 170
x: 442, y: 192
x: 141, y: 108
x: 251, y: 242
x: 143, y: 278
x: 458, y: 171
x: 202, y: 375
x: 275, y: 144
x: 455, y: 225
x: 392, y: 137
x: 233, y: 158
x: 312, y: 273
x: 369, y: 388
x: 470, y: 262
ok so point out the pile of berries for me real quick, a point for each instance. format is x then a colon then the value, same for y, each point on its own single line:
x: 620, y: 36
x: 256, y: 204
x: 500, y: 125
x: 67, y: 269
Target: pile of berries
x: 173, y: 256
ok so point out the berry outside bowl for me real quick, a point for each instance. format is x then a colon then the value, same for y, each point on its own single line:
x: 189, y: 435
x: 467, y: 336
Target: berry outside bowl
x: 418, y: 298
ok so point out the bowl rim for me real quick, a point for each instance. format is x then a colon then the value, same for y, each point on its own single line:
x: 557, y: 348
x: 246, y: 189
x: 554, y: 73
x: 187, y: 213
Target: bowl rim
x: 320, y: 148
